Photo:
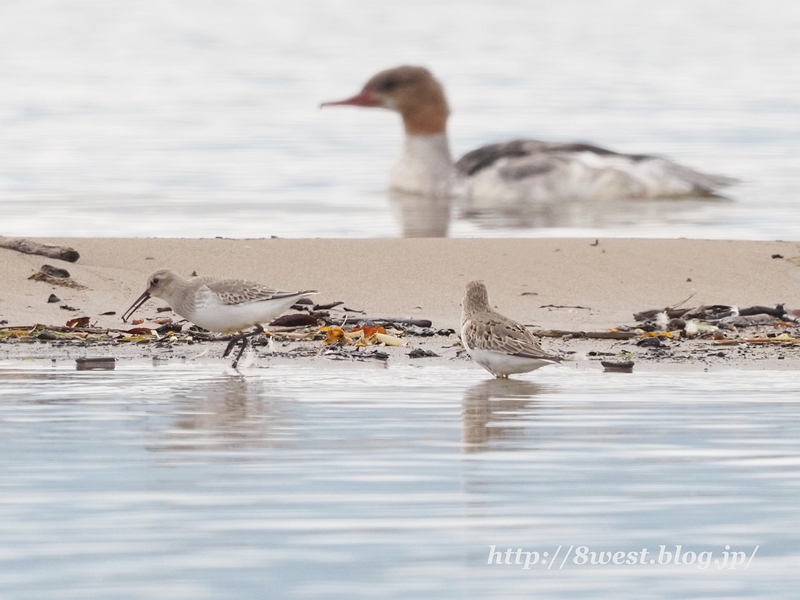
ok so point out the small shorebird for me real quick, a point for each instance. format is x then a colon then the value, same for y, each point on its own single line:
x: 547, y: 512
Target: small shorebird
x: 517, y: 171
x: 219, y: 305
x: 498, y: 344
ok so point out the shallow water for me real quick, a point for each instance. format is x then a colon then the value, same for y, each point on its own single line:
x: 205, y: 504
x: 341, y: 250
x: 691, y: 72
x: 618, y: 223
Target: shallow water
x: 200, y: 119
x: 336, y: 480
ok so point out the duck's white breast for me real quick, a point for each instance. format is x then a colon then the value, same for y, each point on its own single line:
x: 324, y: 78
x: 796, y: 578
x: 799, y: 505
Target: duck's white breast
x: 424, y: 166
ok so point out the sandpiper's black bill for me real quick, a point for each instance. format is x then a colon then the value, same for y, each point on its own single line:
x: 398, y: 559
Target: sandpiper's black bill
x: 135, y: 306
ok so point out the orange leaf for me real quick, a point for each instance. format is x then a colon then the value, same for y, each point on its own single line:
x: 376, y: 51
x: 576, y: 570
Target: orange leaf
x: 78, y: 322
x: 333, y: 335
x: 139, y: 331
x: 369, y: 330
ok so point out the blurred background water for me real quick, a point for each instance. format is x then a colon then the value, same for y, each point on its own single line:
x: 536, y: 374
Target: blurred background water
x: 348, y: 480
x: 200, y: 119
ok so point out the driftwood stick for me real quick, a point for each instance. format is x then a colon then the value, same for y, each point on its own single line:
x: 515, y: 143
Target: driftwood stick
x: 778, y: 312
x: 397, y: 321
x: 29, y: 247
x: 598, y: 335
x: 706, y: 311
x: 709, y: 312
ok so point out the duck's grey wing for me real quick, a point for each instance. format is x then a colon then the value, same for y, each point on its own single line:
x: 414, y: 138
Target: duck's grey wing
x: 520, y: 159
x: 486, y: 156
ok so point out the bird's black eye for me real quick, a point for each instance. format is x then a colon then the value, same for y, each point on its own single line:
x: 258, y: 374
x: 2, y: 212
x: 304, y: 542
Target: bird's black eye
x: 389, y: 85
x: 155, y: 281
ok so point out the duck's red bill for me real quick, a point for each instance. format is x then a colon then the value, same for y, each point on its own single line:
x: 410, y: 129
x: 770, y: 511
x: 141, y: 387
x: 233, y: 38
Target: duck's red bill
x: 363, y: 98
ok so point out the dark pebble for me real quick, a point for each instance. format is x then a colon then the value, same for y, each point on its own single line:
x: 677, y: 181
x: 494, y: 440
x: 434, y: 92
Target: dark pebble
x: 54, y: 271
x: 420, y: 331
x: 676, y: 324
x: 53, y: 299
x: 294, y: 320
x: 420, y: 353
x: 169, y: 327
x: 650, y: 342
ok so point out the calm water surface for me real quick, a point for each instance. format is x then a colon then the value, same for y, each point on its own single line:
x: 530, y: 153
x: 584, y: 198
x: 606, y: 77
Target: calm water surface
x: 200, y: 119
x: 346, y: 481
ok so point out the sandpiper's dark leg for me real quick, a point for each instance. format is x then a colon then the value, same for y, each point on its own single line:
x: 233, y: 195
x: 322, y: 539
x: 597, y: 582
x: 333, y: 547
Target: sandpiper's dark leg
x: 234, y: 340
x: 245, y: 339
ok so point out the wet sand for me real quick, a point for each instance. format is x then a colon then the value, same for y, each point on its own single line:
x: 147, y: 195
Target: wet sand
x: 569, y: 284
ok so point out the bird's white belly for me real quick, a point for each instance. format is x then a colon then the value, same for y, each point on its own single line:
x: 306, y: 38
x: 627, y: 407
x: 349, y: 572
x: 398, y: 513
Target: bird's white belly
x: 229, y: 318
x: 499, y: 363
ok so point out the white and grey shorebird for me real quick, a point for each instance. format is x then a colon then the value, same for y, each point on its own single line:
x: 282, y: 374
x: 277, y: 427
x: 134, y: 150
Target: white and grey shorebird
x: 498, y: 344
x: 219, y: 305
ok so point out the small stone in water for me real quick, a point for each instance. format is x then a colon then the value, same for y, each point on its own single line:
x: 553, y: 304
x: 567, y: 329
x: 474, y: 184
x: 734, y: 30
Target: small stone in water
x: 102, y: 363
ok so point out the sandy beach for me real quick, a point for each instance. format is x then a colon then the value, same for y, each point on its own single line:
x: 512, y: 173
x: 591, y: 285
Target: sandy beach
x: 567, y: 284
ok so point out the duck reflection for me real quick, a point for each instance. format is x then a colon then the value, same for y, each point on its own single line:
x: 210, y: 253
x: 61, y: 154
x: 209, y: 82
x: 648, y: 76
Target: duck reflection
x: 230, y: 412
x: 421, y: 216
x: 424, y: 216
x: 491, y: 403
x: 594, y: 213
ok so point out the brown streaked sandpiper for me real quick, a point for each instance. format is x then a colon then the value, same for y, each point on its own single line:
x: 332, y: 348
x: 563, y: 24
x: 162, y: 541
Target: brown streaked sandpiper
x: 498, y: 344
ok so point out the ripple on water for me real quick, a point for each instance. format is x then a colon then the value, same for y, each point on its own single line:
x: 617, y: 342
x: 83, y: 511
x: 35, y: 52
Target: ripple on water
x: 330, y: 480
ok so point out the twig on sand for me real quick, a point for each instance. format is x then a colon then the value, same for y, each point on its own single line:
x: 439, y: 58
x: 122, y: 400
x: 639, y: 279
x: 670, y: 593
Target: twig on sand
x: 672, y: 312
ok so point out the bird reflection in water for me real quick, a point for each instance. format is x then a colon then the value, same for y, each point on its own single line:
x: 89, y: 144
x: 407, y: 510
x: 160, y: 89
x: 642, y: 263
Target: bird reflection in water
x: 593, y: 213
x: 490, y: 404
x: 421, y: 216
x: 231, y: 412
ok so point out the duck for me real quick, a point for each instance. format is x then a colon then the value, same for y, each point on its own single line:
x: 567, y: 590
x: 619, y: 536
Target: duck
x: 515, y: 172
